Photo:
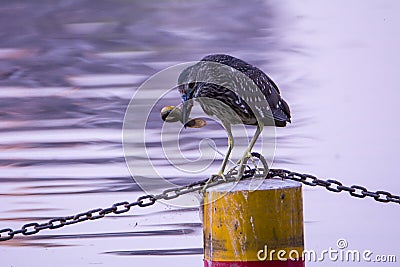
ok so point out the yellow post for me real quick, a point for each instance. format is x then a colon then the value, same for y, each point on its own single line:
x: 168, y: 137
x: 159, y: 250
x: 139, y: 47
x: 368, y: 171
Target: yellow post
x: 263, y: 227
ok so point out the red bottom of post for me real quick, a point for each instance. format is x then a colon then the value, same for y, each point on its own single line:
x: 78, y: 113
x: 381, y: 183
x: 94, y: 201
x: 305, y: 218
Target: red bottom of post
x: 274, y: 263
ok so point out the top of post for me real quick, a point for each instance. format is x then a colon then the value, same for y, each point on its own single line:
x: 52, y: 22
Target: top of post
x: 254, y: 184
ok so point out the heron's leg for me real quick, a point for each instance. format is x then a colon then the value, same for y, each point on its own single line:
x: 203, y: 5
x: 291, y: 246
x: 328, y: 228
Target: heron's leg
x: 255, y: 164
x: 225, y: 161
x: 247, y: 153
x: 230, y: 147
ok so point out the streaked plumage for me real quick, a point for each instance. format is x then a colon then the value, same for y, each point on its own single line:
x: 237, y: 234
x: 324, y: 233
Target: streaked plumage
x: 236, y: 93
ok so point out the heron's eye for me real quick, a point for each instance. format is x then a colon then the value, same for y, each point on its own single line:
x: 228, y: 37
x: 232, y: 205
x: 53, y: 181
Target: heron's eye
x: 191, y: 85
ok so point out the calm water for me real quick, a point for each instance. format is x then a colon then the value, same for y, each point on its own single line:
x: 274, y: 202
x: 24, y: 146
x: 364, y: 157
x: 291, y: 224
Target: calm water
x: 68, y: 72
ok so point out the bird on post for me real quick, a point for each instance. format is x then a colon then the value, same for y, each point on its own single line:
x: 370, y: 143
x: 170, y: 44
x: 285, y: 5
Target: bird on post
x: 236, y: 93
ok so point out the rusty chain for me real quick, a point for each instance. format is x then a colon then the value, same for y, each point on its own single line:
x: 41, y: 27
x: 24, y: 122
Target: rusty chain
x: 168, y: 194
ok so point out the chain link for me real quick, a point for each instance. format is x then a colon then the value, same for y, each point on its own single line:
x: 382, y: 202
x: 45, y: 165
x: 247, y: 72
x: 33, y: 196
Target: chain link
x: 168, y: 194
x: 335, y: 186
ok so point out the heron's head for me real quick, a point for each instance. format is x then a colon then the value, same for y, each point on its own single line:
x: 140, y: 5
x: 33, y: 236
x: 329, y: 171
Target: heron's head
x: 187, y: 87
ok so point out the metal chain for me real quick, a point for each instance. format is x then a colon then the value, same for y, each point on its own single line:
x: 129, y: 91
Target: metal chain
x: 117, y: 208
x: 335, y: 186
x: 168, y: 194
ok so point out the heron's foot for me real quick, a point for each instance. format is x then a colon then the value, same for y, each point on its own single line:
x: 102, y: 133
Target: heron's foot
x: 238, y: 169
x: 203, y: 190
x: 256, y: 158
x: 242, y: 164
x: 222, y: 175
x: 213, y: 178
x: 243, y: 167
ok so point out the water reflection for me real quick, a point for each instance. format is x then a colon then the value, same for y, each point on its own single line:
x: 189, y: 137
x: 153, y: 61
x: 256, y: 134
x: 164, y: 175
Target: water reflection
x: 67, y: 73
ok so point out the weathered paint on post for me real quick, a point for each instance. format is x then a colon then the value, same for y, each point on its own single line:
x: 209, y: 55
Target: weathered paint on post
x: 244, y: 227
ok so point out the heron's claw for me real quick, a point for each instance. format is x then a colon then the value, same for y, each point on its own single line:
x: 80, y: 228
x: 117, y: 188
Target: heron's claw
x: 240, y: 168
x: 213, y: 178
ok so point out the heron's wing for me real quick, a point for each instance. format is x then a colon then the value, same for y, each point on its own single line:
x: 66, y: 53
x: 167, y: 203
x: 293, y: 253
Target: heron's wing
x: 276, y: 105
x: 279, y: 107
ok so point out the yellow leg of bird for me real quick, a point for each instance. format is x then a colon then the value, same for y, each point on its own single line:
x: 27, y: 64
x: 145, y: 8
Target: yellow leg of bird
x: 242, y: 162
x: 225, y: 161
x: 255, y: 164
x: 228, y: 153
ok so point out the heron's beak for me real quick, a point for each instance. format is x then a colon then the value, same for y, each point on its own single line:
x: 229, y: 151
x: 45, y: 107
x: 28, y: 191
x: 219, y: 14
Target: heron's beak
x: 186, y: 109
x: 185, y: 112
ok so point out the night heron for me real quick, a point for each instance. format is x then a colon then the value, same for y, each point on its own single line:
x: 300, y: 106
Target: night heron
x: 235, y: 92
